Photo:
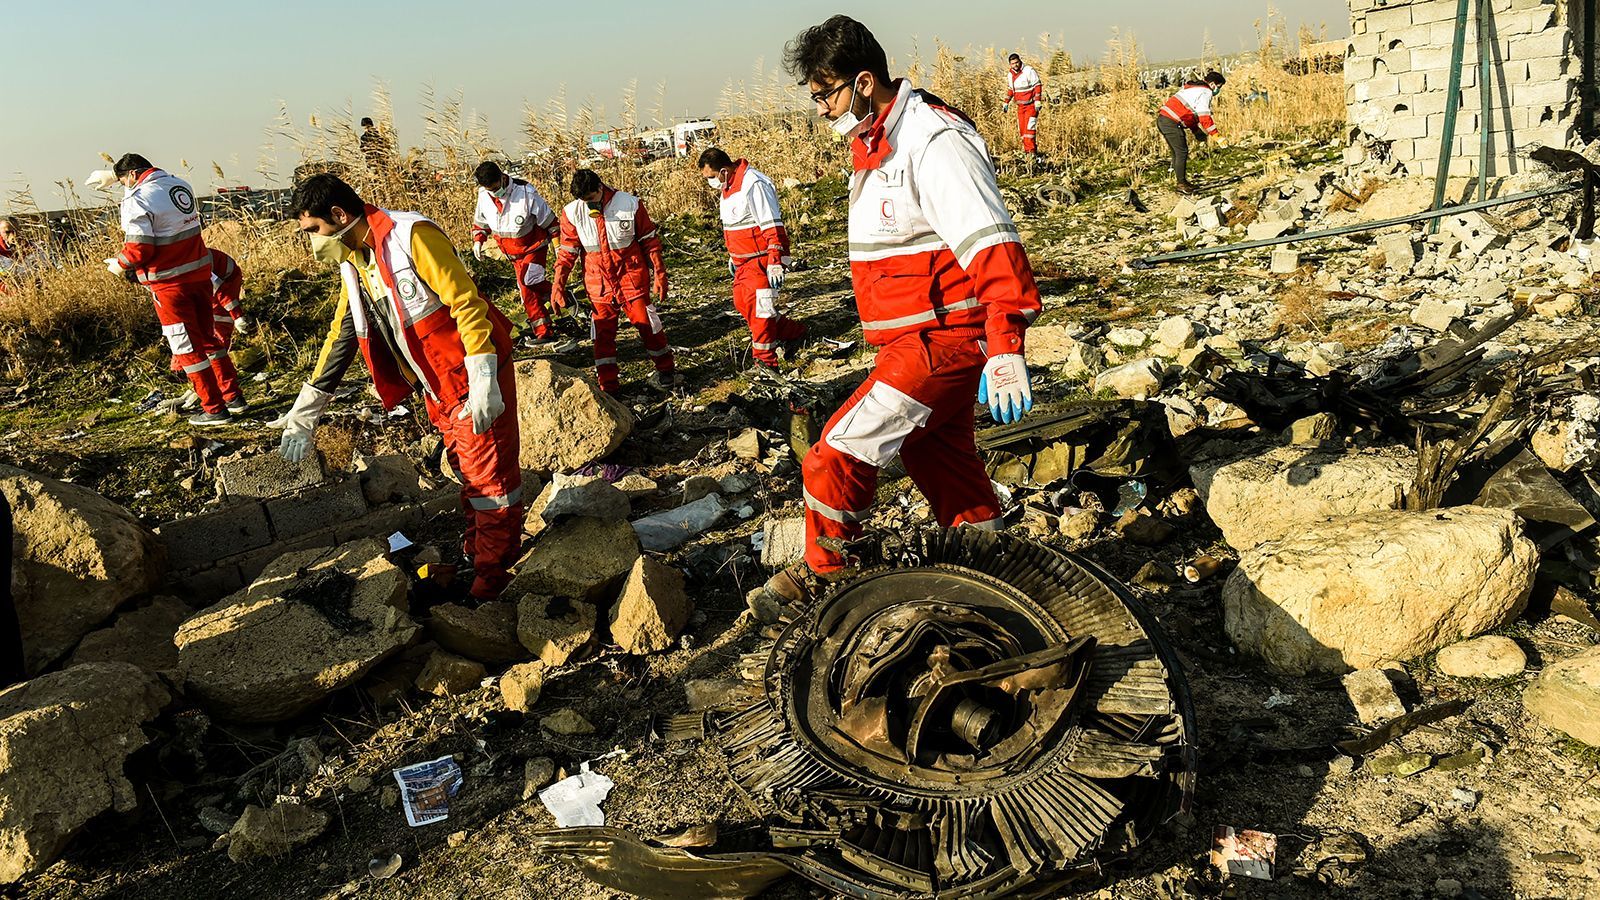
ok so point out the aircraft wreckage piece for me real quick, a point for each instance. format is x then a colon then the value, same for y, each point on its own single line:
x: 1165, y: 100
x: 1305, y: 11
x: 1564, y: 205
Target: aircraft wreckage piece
x: 978, y: 716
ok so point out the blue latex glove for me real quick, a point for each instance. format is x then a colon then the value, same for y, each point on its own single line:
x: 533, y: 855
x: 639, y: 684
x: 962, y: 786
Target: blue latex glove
x: 1003, y: 387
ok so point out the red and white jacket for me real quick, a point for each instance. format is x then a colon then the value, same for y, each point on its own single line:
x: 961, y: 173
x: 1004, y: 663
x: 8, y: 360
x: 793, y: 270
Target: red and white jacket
x: 1026, y: 88
x: 161, y: 228
x: 226, y: 279
x: 752, y: 225
x: 1191, y: 107
x: 619, y: 258
x: 521, y: 223
x: 931, y: 243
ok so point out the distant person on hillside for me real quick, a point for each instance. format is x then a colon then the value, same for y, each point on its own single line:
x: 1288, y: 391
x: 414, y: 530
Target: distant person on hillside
x: 515, y: 214
x: 19, y: 258
x: 758, y: 252
x: 1027, y: 91
x: 164, y: 251
x: 1189, y: 110
x: 610, y: 231
x: 376, y: 147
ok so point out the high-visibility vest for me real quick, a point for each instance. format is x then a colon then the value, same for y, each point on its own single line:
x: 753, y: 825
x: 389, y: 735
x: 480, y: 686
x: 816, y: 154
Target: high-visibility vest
x: 225, y: 281
x: 161, y: 231
x: 752, y: 225
x: 618, y: 259
x: 1025, y: 85
x: 1191, y: 107
x: 520, y: 224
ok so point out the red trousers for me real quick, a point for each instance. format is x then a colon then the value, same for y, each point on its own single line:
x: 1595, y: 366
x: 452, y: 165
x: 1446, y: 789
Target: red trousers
x: 533, y: 282
x: 184, y: 311
x: 917, y: 404
x: 758, y: 303
x: 1028, y: 126
x: 491, y: 485
x: 603, y: 328
x: 221, y: 358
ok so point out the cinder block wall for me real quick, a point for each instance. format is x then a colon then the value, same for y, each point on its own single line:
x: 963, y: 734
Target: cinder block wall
x: 1397, y: 76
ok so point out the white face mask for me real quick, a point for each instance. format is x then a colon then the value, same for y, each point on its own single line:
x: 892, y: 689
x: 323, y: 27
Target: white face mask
x: 848, y: 123
x: 716, y: 183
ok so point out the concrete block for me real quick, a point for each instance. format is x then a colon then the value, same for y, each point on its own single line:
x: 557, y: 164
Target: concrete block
x: 1407, y: 128
x: 1530, y: 21
x: 1552, y: 42
x: 316, y: 508
x: 1550, y: 93
x: 1549, y: 69
x: 1390, y: 18
x: 1412, y: 83
x: 1431, y: 59
x: 1398, y: 252
x: 407, y: 518
x: 1394, y: 62
x: 210, y: 585
x: 1285, y: 261
x: 1261, y: 231
x: 1365, y: 45
x: 268, y: 475
x: 199, y: 541
x: 1381, y: 86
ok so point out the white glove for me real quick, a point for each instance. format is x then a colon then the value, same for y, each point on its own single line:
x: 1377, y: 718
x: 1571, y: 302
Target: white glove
x: 1004, y: 387
x: 300, y: 421
x: 101, y: 179
x: 477, y: 249
x: 1006, y: 106
x: 483, y: 392
x: 241, y: 325
x: 775, y: 275
x: 733, y: 270
x: 113, y: 266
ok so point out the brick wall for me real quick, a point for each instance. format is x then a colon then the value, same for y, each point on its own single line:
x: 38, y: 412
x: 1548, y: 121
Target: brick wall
x: 1397, y: 75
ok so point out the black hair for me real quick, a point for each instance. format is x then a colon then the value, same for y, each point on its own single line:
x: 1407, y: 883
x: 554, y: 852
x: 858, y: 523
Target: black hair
x: 1215, y: 77
x: 319, y: 194
x: 1015, y: 57
x: 366, y: 122
x: 584, y: 182
x: 130, y: 162
x: 715, y: 158
x: 488, y: 174
x: 838, y: 48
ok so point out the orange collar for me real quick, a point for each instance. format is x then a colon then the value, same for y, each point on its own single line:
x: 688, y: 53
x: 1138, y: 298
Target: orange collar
x: 732, y: 187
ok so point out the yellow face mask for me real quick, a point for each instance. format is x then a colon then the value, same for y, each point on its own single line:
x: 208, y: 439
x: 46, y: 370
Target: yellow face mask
x: 328, y: 248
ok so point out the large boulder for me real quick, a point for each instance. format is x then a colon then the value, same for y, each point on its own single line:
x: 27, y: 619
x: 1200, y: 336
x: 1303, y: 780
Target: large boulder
x: 63, y: 740
x: 1265, y: 496
x: 565, y: 419
x: 486, y: 633
x: 313, y: 622
x: 140, y: 636
x: 76, y: 558
x: 1566, y: 696
x: 1382, y: 586
x: 581, y: 558
x: 653, y: 608
x: 275, y: 830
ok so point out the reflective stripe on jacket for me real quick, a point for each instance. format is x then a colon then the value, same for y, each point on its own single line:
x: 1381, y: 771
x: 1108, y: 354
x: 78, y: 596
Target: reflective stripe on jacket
x: 752, y: 224
x: 619, y: 259
x: 161, y: 231
x: 1191, y: 108
x: 520, y: 224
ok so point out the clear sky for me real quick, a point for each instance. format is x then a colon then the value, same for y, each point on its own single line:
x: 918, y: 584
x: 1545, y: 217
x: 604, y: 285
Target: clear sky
x: 202, y: 80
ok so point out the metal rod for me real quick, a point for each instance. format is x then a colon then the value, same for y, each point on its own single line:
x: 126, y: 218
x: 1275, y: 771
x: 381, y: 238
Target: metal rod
x: 1355, y: 228
x: 1484, y: 13
x: 1452, y: 102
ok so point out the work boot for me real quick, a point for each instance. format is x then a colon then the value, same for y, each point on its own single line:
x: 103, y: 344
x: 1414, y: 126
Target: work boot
x: 1186, y: 188
x: 238, y: 406
x: 209, y: 419
x: 792, y: 347
x: 189, y: 401
x: 666, y: 381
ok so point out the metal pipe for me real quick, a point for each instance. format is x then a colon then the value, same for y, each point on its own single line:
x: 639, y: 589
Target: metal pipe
x: 1452, y: 103
x: 1356, y: 228
x: 1484, y: 13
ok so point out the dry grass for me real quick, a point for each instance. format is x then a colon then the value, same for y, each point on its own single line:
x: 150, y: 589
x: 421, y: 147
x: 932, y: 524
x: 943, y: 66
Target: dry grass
x: 1303, y: 309
x: 1350, y: 201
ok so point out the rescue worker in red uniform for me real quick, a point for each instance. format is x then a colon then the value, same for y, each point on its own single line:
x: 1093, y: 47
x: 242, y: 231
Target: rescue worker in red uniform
x: 1189, y: 111
x: 758, y: 252
x: 512, y: 212
x: 164, y: 251
x: 944, y: 291
x: 227, y: 316
x: 1027, y: 92
x: 408, y: 305
x: 611, y: 232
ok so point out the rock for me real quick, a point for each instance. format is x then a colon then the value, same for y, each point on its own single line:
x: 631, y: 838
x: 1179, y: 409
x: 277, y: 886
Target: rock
x: 263, y: 476
x: 584, y: 495
x: 566, y: 420
x: 1373, y: 696
x: 783, y: 541
x: 1558, y: 307
x: 1438, y: 314
x: 63, y: 740
x: 275, y: 831
x: 1490, y: 656
x: 313, y: 622
x: 358, y: 784
x: 216, y: 821
x: 1080, y: 525
x: 748, y: 444
x: 76, y: 558
x: 1048, y: 345
x: 1566, y: 696
x: 636, y: 485
x: 1127, y: 338
x: 521, y: 685
x: 581, y: 558
x: 446, y: 675
x: 566, y: 721
x: 696, y: 487
x: 1177, y: 333
x: 1285, y: 261
x: 390, y: 478
x: 140, y: 636
x: 487, y: 634
x: 1364, y: 590
x: 536, y: 773
x: 1143, y: 528
x: 1312, y: 431
x: 1153, y: 576
x: 1262, y: 231
x: 1083, y: 361
x: 556, y: 630
x: 1137, y: 380
x: 1570, y: 436
x: 1268, y: 495
x: 1398, y: 251
x: 652, y: 610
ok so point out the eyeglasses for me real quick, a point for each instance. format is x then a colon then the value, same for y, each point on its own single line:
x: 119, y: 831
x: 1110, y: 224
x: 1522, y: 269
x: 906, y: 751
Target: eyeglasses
x: 821, y: 98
